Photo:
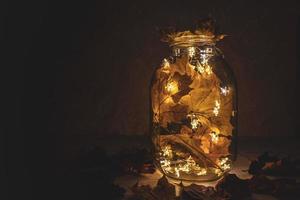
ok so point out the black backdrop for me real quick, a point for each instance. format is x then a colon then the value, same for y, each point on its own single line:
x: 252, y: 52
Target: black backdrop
x: 77, y: 71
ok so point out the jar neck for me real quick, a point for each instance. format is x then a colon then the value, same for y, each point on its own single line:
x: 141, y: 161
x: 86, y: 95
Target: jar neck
x: 194, y: 50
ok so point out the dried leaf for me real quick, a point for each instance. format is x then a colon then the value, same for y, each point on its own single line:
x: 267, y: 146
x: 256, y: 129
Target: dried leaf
x: 234, y: 187
x: 180, y: 65
x: 200, y: 192
x: 164, y: 190
x: 183, y: 82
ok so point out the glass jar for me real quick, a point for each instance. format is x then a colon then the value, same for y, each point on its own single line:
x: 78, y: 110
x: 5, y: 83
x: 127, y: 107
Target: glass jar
x: 194, y: 110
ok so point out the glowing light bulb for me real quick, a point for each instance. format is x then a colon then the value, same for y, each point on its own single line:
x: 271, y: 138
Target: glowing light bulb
x: 190, y: 161
x: 205, y: 55
x: 223, y: 160
x: 194, y: 124
x: 172, y: 87
x: 167, y: 151
x: 224, y: 90
x: 184, y: 168
x: 216, y: 108
x: 224, y: 163
x: 202, y: 172
x: 194, y: 120
x: 165, y: 66
x: 214, y: 137
x: 165, y: 163
x: 208, y: 69
x: 190, y: 166
x: 200, y: 68
x: 209, y: 50
x: 226, y: 166
x: 204, y: 59
x: 218, y: 172
x: 191, y: 51
x: 165, y: 63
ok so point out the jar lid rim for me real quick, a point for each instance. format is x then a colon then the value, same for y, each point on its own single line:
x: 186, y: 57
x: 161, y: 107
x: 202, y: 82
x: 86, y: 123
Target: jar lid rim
x: 190, y: 40
x: 187, y: 38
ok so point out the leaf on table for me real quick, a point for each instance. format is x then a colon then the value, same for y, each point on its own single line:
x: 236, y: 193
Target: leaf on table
x: 282, y: 188
x: 200, y: 192
x: 275, y: 166
x: 164, y: 190
x: 234, y: 187
x: 142, y: 192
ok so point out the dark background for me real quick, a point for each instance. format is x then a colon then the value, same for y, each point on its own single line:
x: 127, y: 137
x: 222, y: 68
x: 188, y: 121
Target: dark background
x: 80, y: 71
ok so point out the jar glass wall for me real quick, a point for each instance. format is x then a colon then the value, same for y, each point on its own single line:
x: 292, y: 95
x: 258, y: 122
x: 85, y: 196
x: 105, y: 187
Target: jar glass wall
x: 194, y: 111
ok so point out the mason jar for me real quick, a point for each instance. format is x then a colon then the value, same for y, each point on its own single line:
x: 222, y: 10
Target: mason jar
x: 194, y: 109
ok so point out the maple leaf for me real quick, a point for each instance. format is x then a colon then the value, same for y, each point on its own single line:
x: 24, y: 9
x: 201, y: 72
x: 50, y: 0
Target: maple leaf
x: 183, y: 86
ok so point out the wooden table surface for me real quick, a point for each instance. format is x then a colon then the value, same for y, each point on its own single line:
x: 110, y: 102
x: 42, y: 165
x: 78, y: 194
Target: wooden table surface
x: 249, y: 149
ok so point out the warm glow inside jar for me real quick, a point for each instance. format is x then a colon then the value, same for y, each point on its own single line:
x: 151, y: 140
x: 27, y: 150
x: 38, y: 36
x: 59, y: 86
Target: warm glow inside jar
x: 194, y: 111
